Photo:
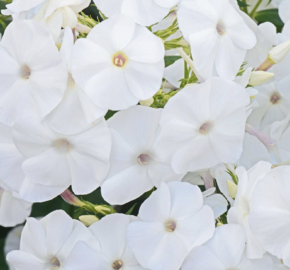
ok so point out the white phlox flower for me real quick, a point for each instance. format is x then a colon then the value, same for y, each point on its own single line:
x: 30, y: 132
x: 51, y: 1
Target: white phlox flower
x: 284, y: 10
x: 55, y: 14
x: 217, y: 202
x: 12, y: 242
x: 173, y: 220
x: 273, y: 106
x: 33, y: 79
x: 239, y: 213
x: 218, y: 35
x: 76, y: 112
x: 225, y: 251
x: 114, y: 252
x: 204, y: 125
x: 135, y: 165
x: 118, y: 64
x: 55, y: 161
x: 46, y: 243
x: 13, y: 210
x: 269, y: 217
x: 143, y: 12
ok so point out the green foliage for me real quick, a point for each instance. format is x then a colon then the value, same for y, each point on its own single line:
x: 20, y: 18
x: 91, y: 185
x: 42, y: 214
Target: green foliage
x: 4, y: 20
x: 170, y: 59
x: 129, y: 212
x: 166, y: 33
x: 161, y: 98
x: 242, y: 4
x: 270, y: 15
x: 3, y: 265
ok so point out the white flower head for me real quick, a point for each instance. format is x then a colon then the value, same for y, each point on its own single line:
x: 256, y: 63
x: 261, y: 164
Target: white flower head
x: 225, y: 251
x: 204, y: 125
x: 114, y: 253
x: 33, y: 79
x: 55, y: 14
x: 269, y: 217
x: 272, y: 106
x: 55, y: 161
x: 239, y: 213
x: 143, y: 12
x: 135, y: 165
x: 119, y: 63
x: 173, y: 220
x: 76, y: 112
x: 47, y: 243
x: 218, y: 35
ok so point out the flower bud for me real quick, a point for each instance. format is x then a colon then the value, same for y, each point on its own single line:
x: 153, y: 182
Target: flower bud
x: 219, y: 224
x: 104, y: 209
x: 71, y: 198
x: 88, y: 220
x: 148, y: 102
x: 232, y: 188
x: 278, y: 53
x: 260, y: 77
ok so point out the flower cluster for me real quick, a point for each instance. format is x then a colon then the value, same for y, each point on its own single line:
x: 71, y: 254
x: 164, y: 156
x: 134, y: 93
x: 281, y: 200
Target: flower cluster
x: 186, y: 101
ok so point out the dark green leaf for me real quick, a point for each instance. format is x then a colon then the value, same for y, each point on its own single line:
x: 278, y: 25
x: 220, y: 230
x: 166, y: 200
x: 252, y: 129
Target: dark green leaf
x: 109, y: 114
x: 270, y: 15
x: 3, y: 265
x: 242, y: 4
x: 170, y: 59
x: 129, y: 212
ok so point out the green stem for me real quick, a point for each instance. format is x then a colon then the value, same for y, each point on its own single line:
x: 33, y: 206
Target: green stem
x: 253, y: 12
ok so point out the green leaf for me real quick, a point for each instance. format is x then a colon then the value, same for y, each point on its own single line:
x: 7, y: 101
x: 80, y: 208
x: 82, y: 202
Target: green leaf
x: 270, y: 15
x: 109, y: 114
x: 242, y: 4
x: 170, y: 59
x: 3, y: 265
x: 129, y: 212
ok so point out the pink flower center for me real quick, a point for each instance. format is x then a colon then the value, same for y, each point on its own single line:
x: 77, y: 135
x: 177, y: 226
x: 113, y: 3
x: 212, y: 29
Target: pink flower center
x: 275, y: 98
x: 25, y: 72
x: 119, y: 59
x: 205, y: 128
x: 170, y: 225
x: 143, y: 159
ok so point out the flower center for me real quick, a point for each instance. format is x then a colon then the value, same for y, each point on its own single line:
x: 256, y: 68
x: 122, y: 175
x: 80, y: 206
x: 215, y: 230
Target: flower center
x: 117, y: 265
x: 25, y: 72
x: 220, y: 29
x: 119, y: 59
x: 275, y: 98
x: 55, y: 264
x: 205, y: 128
x: 143, y: 159
x: 62, y: 145
x: 170, y: 225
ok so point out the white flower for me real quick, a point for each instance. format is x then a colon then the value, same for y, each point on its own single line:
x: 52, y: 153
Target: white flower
x: 272, y: 106
x: 217, y: 202
x: 33, y: 79
x: 253, y: 152
x: 173, y: 220
x: 119, y: 63
x: 55, y: 161
x: 218, y: 35
x: 270, y: 216
x: 284, y: 10
x: 11, y: 173
x: 144, y: 12
x: 13, y: 210
x: 114, y: 253
x: 204, y: 125
x: 76, y: 112
x: 54, y: 13
x: 256, y: 56
x: 135, y: 167
x: 12, y: 242
x: 242, y: 207
x: 225, y: 251
x: 47, y: 243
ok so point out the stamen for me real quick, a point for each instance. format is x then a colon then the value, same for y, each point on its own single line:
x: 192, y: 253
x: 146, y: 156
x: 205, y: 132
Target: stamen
x: 220, y: 29
x: 120, y: 59
x: 25, y: 72
x: 275, y: 98
x: 143, y: 159
x: 55, y: 264
x: 170, y: 225
x: 117, y: 265
x: 205, y: 128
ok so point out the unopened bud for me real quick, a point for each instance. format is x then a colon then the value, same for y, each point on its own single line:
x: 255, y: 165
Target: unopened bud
x: 148, y: 102
x: 278, y: 53
x: 104, y: 209
x: 219, y: 224
x: 232, y: 188
x: 88, y: 220
x: 83, y: 28
x: 260, y: 77
x: 70, y: 198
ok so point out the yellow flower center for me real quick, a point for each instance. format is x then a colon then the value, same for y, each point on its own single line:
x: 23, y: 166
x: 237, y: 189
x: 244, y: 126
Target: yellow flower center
x: 25, y: 72
x: 117, y: 265
x: 170, y: 225
x: 120, y: 60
